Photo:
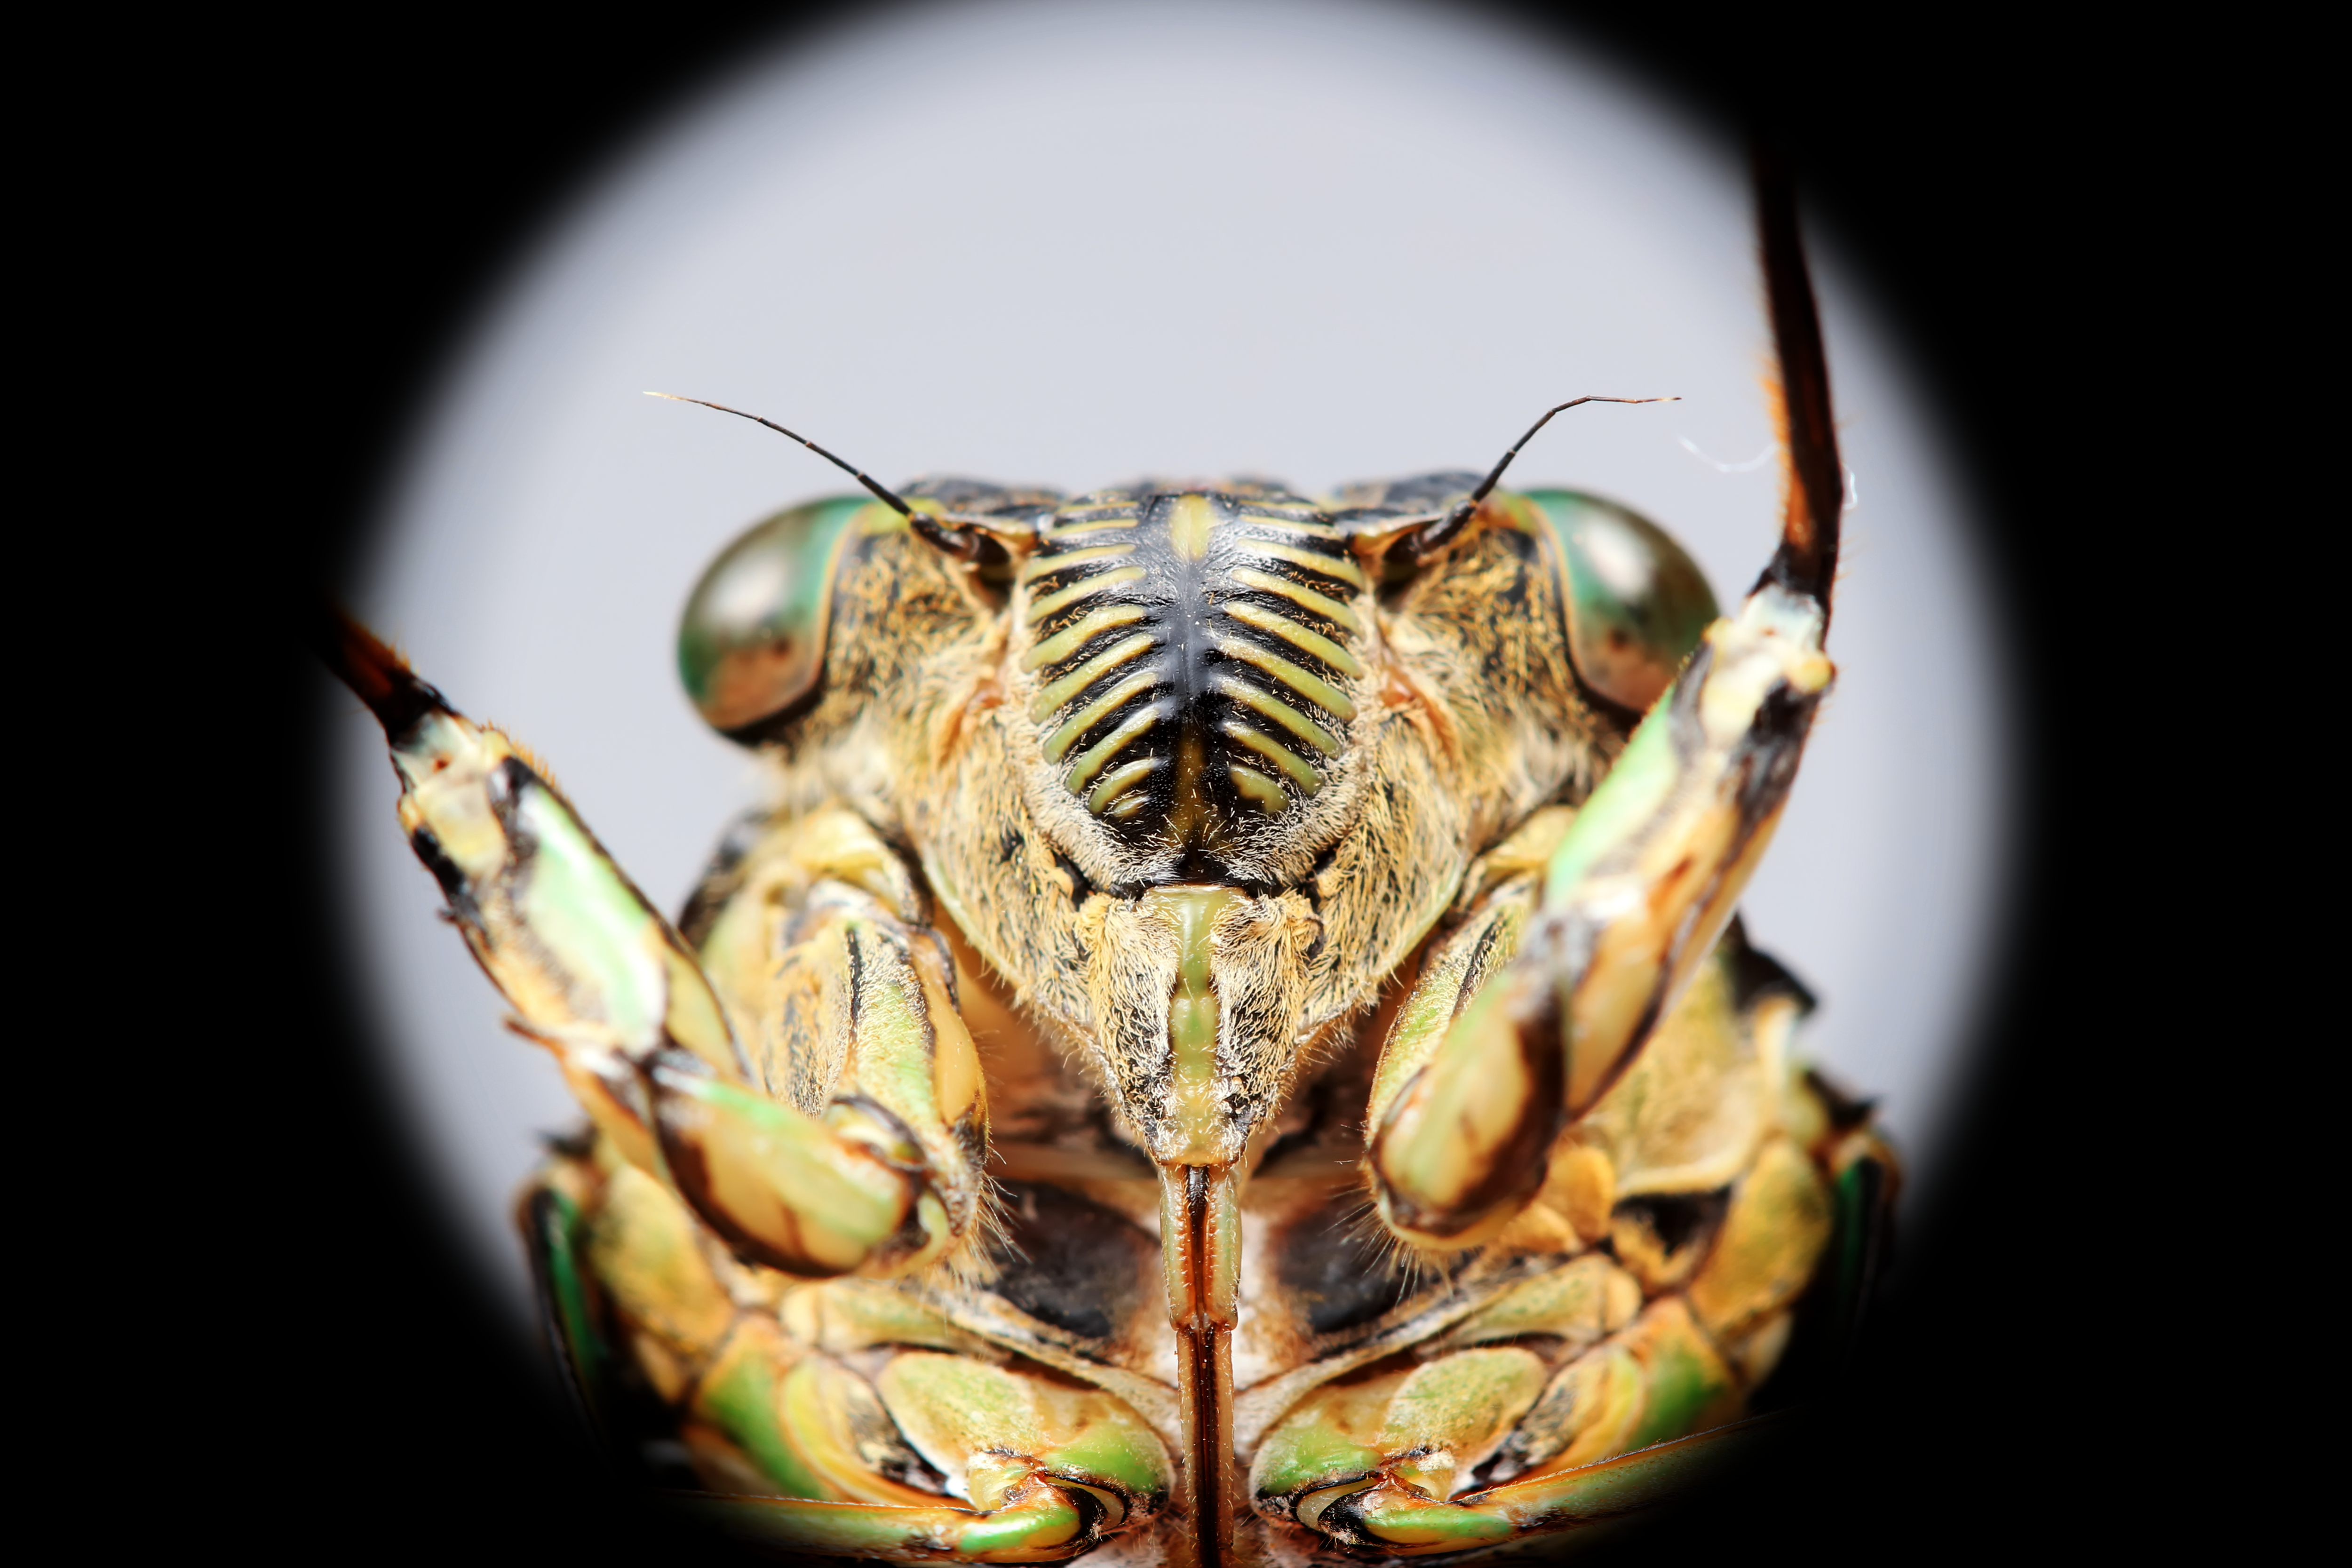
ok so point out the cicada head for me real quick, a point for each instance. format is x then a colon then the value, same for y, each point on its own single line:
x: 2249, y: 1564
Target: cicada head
x: 1226, y: 754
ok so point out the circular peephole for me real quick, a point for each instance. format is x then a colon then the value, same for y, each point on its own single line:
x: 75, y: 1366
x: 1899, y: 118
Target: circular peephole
x: 1060, y: 244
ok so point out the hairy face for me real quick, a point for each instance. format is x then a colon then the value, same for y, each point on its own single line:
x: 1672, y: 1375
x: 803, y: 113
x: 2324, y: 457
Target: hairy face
x: 1197, y: 769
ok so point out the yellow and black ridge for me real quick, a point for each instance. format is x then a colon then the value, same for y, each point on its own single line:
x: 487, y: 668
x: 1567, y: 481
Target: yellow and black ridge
x: 1193, y: 649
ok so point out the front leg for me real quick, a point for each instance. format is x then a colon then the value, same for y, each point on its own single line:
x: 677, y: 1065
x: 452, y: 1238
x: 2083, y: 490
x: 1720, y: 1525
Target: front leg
x: 1634, y: 896
x: 597, y: 975
x: 1647, y: 877
x: 848, y: 1006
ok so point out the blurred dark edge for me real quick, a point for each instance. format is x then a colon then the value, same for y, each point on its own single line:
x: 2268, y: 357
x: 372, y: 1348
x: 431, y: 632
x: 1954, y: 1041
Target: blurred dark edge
x: 391, y: 167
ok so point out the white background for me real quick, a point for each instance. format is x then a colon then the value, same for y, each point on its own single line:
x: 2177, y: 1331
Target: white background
x: 1076, y: 243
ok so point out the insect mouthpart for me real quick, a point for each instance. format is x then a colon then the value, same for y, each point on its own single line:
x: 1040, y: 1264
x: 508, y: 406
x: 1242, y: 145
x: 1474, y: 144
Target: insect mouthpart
x: 1198, y: 989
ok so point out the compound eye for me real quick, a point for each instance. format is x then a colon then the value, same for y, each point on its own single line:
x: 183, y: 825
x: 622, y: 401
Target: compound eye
x: 1636, y: 604
x: 751, y: 646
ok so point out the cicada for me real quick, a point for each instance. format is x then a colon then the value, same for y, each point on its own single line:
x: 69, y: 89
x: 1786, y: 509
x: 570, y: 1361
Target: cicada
x: 1230, y: 1036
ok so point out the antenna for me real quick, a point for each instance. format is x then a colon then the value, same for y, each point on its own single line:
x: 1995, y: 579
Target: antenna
x: 967, y: 542
x: 1481, y: 492
x: 1441, y: 531
x: 860, y: 474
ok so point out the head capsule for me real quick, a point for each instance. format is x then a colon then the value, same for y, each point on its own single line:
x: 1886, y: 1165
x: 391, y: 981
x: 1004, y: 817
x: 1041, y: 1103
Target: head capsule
x: 1636, y: 602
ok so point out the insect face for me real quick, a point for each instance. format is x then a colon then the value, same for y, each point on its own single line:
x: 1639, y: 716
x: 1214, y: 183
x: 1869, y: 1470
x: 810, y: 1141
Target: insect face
x: 1251, y: 750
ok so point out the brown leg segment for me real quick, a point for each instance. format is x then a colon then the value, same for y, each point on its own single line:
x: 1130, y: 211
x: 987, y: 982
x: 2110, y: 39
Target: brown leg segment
x: 1201, y: 1239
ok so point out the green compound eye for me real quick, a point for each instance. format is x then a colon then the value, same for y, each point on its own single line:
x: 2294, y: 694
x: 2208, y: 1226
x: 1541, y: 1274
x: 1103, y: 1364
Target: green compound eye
x: 751, y: 646
x: 1636, y: 604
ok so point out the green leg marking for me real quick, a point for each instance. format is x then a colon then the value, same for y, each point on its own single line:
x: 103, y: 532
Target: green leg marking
x: 1860, y: 1246
x: 1037, y: 1523
x: 1406, y: 1524
x: 1634, y: 896
x: 566, y: 1310
x: 1630, y: 1484
x: 1830, y: 1314
x: 739, y: 1396
x: 776, y: 1182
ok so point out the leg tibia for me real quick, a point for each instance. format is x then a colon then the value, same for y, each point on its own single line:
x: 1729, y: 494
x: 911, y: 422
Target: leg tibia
x: 854, y: 1029
x: 1458, y: 1152
x: 1427, y: 1428
x: 1038, y: 1522
x: 880, y: 1175
x: 846, y: 1001
x: 965, y: 1416
x: 808, y: 1197
x: 593, y: 970
x: 1634, y: 896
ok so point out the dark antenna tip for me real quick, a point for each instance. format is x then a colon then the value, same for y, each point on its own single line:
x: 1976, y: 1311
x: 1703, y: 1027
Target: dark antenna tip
x: 971, y: 546
x: 876, y: 487
x: 1442, y: 531
x: 1495, y: 473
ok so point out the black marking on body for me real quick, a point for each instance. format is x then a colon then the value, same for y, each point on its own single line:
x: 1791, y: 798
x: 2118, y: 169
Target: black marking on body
x: 1679, y: 1220
x: 970, y: 1135
x: 1768, y: 757
x: 1474, y: 974
x: 720, y: 876
x: 1337, y: 1270
x: 1756, y: 974
x: 1073, y: 1264
x: 574, y: 1144
x: 1080, y: 885
x: 1312, y: 886
x: 855, y: 994
x: 506, y: 786
x: 452, y: 877
x: 1193, y: 650
x: 1846, y: 1112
